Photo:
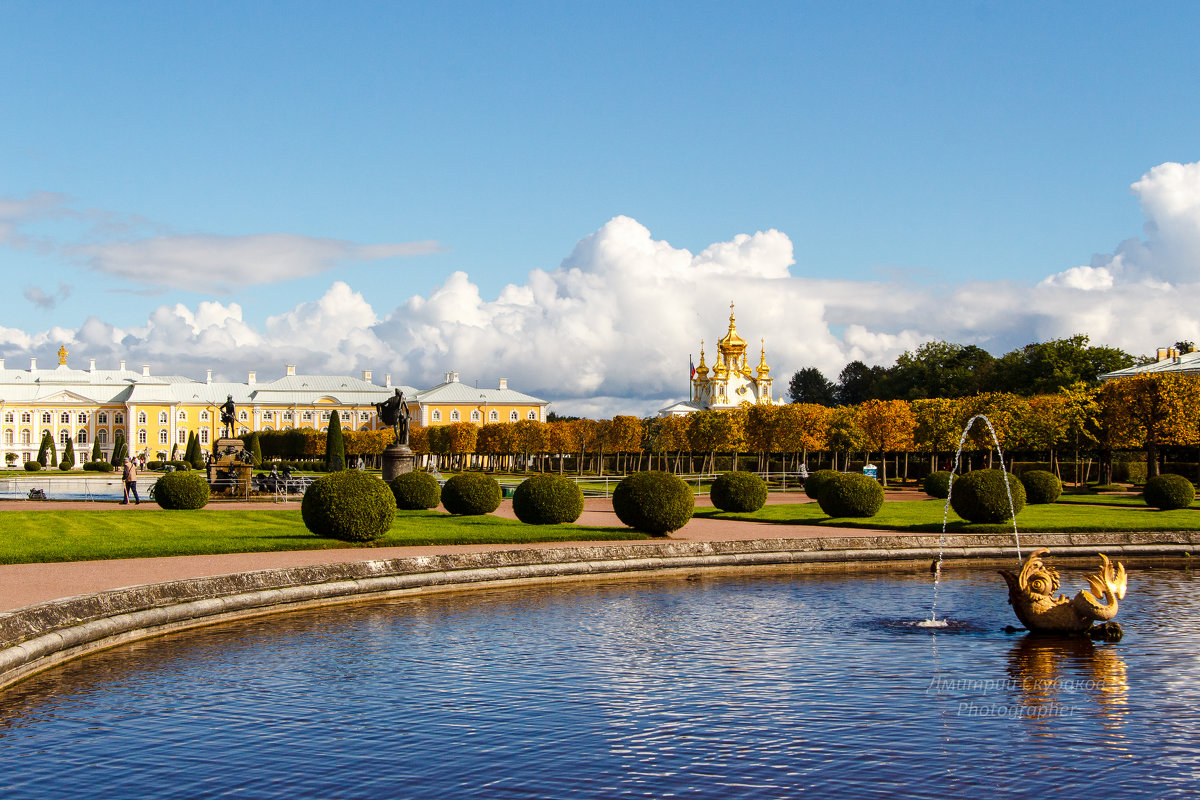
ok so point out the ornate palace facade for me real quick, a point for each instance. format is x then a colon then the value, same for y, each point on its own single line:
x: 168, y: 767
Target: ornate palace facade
x: 156, y: 413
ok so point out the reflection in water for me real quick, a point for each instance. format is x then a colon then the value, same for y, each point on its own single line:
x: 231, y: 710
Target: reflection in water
x: 1053, y: 674
x: 763, y: 686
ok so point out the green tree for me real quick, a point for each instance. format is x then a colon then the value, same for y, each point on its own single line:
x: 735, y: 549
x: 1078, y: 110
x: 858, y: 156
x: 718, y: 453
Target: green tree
x: 858, y: 383
x: 46, y: 454
x: 937, y: 427
x: 68, y: 459
x: 809, y: 385
x: 939, y: 369
x: 844, y: 434
x: 335, y: 447
x: 254, y: 445
x: 120, y: 449
x: 97, y: 455
x: 1047, y: 367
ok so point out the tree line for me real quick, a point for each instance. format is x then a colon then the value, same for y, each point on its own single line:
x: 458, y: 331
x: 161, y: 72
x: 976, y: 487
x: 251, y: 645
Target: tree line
x: 1156, y: 414
x: 944, y: 369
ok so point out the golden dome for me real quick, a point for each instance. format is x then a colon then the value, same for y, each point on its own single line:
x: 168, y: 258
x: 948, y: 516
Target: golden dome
x: 702, y: 370
x: 731, y: 345
x: 763, y: 369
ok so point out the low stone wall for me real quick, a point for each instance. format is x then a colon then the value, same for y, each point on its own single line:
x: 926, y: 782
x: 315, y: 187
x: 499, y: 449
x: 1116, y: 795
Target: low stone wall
x: 38, y: 637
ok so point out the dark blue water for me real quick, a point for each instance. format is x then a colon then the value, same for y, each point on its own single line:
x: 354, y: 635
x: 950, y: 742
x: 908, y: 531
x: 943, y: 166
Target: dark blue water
x: 757, y: 687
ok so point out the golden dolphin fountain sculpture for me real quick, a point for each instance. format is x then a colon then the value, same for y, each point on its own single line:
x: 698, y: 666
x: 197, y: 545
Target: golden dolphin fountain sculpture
x: 1031, y: 594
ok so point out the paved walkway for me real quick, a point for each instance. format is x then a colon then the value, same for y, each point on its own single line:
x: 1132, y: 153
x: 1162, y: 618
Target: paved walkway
x: 27, y: 584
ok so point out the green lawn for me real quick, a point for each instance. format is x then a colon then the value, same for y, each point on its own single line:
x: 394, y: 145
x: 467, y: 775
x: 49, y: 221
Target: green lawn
x: 30, y: 537
x: 925, y: 516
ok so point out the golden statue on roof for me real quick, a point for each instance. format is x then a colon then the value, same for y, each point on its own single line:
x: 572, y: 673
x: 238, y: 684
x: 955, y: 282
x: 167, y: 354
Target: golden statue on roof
x: 62, y: 355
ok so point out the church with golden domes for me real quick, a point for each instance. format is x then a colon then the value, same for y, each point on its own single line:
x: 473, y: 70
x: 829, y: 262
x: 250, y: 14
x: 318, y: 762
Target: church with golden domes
x: 731, y: 382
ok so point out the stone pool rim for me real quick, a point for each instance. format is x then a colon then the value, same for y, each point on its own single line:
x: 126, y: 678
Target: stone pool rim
x: 41, y: 636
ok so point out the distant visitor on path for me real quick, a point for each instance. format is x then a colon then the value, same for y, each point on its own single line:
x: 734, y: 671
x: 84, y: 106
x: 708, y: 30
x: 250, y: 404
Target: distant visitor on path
x: 227, y: 415
x: 394, y: 411
x: 129, y: 477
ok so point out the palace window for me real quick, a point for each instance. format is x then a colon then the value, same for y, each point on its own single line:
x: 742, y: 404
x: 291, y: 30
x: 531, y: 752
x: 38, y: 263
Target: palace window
x: 244, y: 415
x: 204, y: 436
x: 324, y: 416
x: 141, y: 419
x: 46, y: 418
x: 8, y: 416
x: 102, y: 418
x: 437, y: 415
x: 162, y: 437
x: 454, y: 415
x: 533, y: 415
x: 26, y: 417
x: 243, y: 431
x: 287, y: 416
x: 81, y: 437
x: 163, y: 418
x: 204, y: 416
x: 345, y: 416
x: 182, y: 437
x: 64, y: 436
x: 102, y: 436
x: 25, y: 437
x: 182, y: 415
x: 494, y: 416
x: 475, y: 415
x: 8, y: 437
x: 364, y: 415
x: 142, y: 436
x: 512, y: 416
x: 118, y: 418
x: 83, y: 418
x: 65, y: 418
x: 267, y: 416
x: 306, y: 416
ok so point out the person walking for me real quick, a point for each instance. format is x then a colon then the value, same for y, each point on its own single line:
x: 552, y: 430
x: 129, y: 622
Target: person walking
x: 129, y: 476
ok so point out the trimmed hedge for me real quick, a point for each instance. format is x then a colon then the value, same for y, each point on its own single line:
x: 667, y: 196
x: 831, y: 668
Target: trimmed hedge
x: 937, y: 484
x: 979, y: 496
x: 812, y: 484
x: 33, y: 466
x: 654, y: 502
x: 1041, y: 486
x: 547, y: 500
x: 471, y: 494
x: 181, y: 490
x: 850, y: 494
x: 98, y: 466
x: 1169, y: 492
x: 415, y: 491
x: 349, y: 505
x: 739, y: 491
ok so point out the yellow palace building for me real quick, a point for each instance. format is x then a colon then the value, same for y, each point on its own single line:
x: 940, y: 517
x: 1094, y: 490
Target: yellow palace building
x: 156, y: 413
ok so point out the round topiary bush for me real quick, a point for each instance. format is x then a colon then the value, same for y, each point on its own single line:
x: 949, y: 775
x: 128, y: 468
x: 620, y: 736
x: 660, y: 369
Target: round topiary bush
x: 739, y: 491
x: 937, y: 484
x: 1168, y: 492
x: 98, y: 466
x: 1041, y: 486
x: 979, y: 496
x: 851, y: 494
x: 812, y: 484
x: 416, y: 491
x: 181, y: 490
x: 349, y: 505
x: 33, y: 466
x: 548, y: 500
x: 471, y: 493
x: 654, y: 502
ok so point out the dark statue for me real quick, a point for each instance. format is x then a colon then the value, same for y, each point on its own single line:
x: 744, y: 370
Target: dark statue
x: 394, y: 411
x: 227, y: 415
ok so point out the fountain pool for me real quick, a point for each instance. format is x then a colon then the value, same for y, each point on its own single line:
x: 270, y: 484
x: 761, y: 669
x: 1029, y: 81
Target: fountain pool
x: 745, y: 685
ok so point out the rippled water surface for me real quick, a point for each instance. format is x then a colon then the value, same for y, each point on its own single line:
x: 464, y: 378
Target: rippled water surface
x: 715, y: 687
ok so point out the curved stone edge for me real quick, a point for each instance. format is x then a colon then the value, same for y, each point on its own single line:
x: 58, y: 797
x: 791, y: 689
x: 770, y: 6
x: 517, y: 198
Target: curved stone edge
x: 38, y: 637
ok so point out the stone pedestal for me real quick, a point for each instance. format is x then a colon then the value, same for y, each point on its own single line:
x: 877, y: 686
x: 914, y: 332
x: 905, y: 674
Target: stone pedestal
x: 397, y: 460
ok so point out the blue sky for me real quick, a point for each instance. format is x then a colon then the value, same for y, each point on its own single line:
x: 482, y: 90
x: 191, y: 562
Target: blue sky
x: 951, y: 154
